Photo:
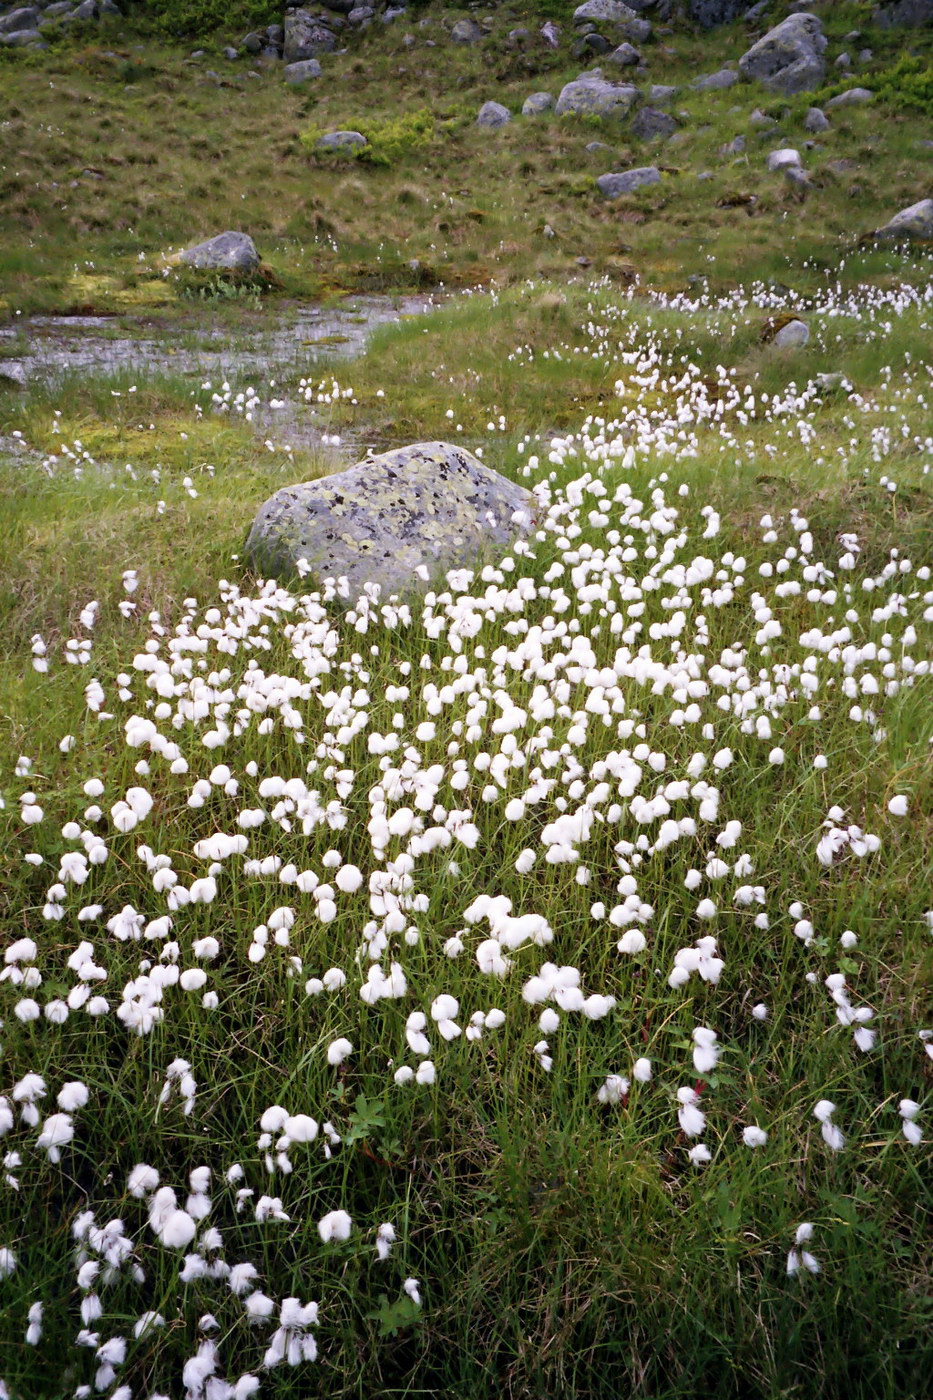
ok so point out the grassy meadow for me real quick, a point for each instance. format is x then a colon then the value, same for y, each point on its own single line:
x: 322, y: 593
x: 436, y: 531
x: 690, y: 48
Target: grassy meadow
x: 522, y: 989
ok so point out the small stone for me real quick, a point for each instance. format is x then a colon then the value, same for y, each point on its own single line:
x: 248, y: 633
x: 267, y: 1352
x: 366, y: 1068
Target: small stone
x: 853, y: 97
x: 493, y: 115
x: 231, y: 53
x: 537, y: 102
x: 816, y: 121
x: 625, y: 56
x: 591, y: 96
x: 612, y: 185
x: 233, y: 252
x: 843, y: 62
x: 466, y: 31
x: 715, y: 82
x: 648, y: 124
x: 340, y: 141
x: 792, y: 336
x: 301, y: 72
x: 761, y: 121
x: 12, y: 372
x: 784, y: 159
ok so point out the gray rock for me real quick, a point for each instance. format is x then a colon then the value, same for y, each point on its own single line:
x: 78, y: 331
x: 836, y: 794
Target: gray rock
x: 21, y: 38
x: 843, y: 62
x: 709, y: 13
x: 911, y: 14
x: 550, y: 33
x: 914, y: 222
x: 854, y: 97
x: 648, y: 124
x: 86, y: 10
x: 493, y: 115
x: 789, y: 58
x: 231, y: 53
x: 625, y: 56
x: 596, y: 44
x: 12, y: 372
x: 391, y: 519
x: 108, y: 7
x: 361, y: 14
x: 659, y: 94
x: 594, y: 147
x: 603, y: 11
x: 306, y: 37
x: 865, y: 55
x: 715, y: 82
x: 816, y: 121
x: 466, y: 31
x: 784, y: 159
x: 611, y: 186
x: 231, y: 252
x: 392, y: 13
x: 792, y: 336
x: 62, y: 7
x: 340, y: 141
x: 537, y: 102
x: 761, y: 121
x: 735, y: 147
x: 302, y: 72
x: 594, y: 97
x: 26, y: 17
x: 518, y: 38
x: 253, y: 43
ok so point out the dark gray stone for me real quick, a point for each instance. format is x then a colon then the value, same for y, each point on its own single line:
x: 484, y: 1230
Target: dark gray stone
x: 911, y: 14
x: 26, y: 17
x: 613, y: 185
x: 716, y: 82
x: 232, y: 252
x: 649, y: 124
x: 708, y: 13
x: 392, y: 520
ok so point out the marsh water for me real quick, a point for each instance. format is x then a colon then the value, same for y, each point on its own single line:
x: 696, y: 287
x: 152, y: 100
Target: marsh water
x: 51, y: 348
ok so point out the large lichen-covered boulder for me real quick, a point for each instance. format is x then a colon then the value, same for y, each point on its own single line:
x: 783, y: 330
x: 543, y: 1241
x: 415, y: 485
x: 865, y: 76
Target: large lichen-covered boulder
x: 915, y: 222
x: 789, y: 58
x: 229, y: 252
x: 594, y: 97
x: 399, y: 520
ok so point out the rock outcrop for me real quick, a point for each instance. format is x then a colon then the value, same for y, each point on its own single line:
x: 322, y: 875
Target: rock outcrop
x: 916, y: 222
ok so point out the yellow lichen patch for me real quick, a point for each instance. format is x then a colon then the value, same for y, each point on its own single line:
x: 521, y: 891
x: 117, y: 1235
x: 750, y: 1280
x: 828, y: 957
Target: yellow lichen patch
x: 113, y: 293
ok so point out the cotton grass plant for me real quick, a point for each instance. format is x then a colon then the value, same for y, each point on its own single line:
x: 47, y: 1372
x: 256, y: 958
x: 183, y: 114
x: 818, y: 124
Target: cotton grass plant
x: 504, y: 988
